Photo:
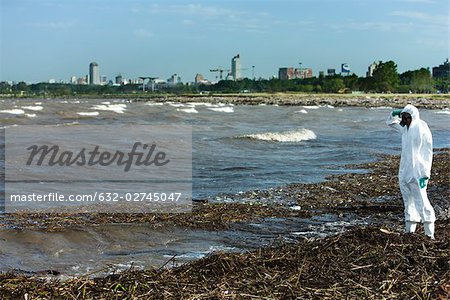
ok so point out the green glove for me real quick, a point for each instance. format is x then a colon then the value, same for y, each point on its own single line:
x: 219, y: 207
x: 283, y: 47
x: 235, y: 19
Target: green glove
x: 397, y: 112
x: 423, y: 182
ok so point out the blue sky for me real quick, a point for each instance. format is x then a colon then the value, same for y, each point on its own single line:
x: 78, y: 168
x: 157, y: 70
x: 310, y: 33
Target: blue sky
x: 43, y: 39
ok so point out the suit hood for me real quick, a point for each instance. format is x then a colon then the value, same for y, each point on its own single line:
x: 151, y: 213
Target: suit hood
x: 412, y: 110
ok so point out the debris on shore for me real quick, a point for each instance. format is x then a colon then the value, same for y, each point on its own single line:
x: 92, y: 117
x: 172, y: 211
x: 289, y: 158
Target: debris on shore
x: 370, y: 262
x: 375, y: 192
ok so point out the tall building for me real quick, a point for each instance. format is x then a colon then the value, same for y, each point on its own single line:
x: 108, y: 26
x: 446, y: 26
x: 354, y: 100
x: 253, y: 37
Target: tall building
x: 119, y: 79
x: 442, y: 71
x: 173, y: 80
x: 94, y: 73
x: 236, y: 67
x: 372, y: 68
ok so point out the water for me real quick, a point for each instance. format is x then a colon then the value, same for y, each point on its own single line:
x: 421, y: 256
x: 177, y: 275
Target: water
x: 235, y: 148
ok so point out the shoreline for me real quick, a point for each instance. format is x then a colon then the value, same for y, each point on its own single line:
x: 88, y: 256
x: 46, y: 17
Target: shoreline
x: 337, y: 100
x: 429, y: 101
x: 364, y: 261
x: 376, y: 191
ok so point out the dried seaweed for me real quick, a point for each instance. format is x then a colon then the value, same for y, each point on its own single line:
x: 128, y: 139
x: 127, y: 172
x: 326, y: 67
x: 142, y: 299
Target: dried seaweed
x: 362, y: 263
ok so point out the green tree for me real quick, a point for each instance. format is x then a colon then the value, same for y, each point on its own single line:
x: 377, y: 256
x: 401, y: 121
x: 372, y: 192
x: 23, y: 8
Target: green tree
x: 5, y: 88
x: 333, y: 85
x: 385, y: 77
x: 417, y: 81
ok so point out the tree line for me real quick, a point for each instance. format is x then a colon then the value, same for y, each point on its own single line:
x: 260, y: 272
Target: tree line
x: 385, y: 79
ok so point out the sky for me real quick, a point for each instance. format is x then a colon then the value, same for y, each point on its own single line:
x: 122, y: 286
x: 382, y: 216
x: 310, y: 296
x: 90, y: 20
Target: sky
x: 57, y: 39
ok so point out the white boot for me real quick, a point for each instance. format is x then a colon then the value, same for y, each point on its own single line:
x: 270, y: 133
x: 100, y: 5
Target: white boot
x: 410, y: 226
x: 429, y: 229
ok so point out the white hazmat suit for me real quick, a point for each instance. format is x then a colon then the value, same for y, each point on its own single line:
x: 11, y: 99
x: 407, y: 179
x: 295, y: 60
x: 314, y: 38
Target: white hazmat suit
x: 415, y: 169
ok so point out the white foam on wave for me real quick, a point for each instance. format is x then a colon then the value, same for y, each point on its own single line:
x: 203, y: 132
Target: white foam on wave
x: 68, y: 124
x: 382, y: 107
x: 106, y: 102
x: 302, y: 111
x: 190, y: 110
x: 311, y: 107
x: 284, y: 136
x: 117, y: 108
x: 88, y: 113
x: 38, y: 103
x: 176, y: 104
x: 31, y: 115
x: 444, y: 112
x: 202, y: 104
x: 154, y: 103
x: 34, y: 108
x: 13, y: 111
x: 9, y: 126
x: 225, y: 109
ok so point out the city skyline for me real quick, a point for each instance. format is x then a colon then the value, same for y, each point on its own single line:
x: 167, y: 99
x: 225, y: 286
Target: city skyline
x: 53, y: 39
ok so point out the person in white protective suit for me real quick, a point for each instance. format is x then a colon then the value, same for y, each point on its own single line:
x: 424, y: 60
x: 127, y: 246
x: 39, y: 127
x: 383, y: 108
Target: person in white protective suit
x: 415, y: 167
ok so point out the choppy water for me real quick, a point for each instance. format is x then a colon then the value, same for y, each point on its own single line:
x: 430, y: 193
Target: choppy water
x: 235, y: 148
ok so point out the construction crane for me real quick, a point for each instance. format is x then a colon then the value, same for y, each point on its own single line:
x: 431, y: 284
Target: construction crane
x: 220, y: 70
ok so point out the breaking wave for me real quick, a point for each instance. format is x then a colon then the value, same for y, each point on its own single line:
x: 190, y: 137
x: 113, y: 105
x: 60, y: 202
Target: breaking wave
x: 13, y: 111
x: 34, y: 108
x: 117, y: 108
x: 225, y: 109
x: 88, y: 113
x: 283, y: 136
x: 190, y: 110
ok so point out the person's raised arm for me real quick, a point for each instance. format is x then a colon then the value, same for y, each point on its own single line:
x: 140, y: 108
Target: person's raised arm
x: 393, y: 120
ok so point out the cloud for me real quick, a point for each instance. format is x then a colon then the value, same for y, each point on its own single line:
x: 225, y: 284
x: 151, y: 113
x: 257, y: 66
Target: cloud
x: 186, y: 9
x: 143, y: 33
x: 55, y: 25
x: 421, y: 1
x: 216, y: 17
x: 373, y: 26
x: 424, y: 20
x: 188, y: 22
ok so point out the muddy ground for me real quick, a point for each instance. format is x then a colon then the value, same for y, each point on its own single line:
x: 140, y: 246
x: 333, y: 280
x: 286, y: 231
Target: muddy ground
x: 372, y: 262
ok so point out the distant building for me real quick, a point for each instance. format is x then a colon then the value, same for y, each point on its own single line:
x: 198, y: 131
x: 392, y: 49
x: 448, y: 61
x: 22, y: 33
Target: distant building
x: 292, y: 73
x: 345, y: 69
x: 199, y: 78
x: 119, y: 79
x: 331, y: 72
x: 81, y: 80
x: 236, y: 67
x: 94, y: 73
x: 103, y: 79
x: 372, y: 68
x: 442, y: 71
x: 304, y: 73
x: 173, y: 80
x: 286, y: 73
x: 73, y: 80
